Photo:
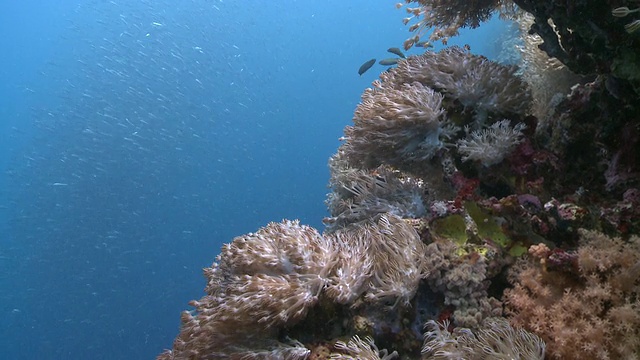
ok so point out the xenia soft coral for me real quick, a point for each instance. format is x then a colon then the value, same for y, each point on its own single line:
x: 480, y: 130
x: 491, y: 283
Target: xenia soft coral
x: 381, y: 259
x: 395, y: 125
x: 405, y: 119
x: 262, y: 281
x: 496, y: 339
x: 359, y: 195
x: 358, y: 349
x: 489, y: 88
x: 266, y: 282
x: 589, y: 312
x: 398, y: 261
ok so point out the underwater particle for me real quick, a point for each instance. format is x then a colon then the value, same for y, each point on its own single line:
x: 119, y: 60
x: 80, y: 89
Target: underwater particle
x: 366, y: 66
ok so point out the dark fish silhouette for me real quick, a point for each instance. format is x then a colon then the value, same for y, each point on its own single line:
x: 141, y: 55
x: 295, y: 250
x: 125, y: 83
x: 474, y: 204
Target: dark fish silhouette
x: 424, y: 44
x: 389, y: 61
x: 395, y: 50
x: 366, y: 66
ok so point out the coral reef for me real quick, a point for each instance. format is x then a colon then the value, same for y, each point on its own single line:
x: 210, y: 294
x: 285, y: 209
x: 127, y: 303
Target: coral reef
x: 463, y: 283
x: 261, y: 282
x: 485, y: 87
x: 549, y: 79
x: 588, y: 36
x: 498, y: 206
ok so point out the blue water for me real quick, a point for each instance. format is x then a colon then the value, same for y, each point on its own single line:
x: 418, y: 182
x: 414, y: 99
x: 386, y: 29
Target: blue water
x: 138, y: 136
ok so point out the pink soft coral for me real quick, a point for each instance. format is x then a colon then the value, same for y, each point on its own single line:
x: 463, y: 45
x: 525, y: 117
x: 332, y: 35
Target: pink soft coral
x: 591, y: 311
